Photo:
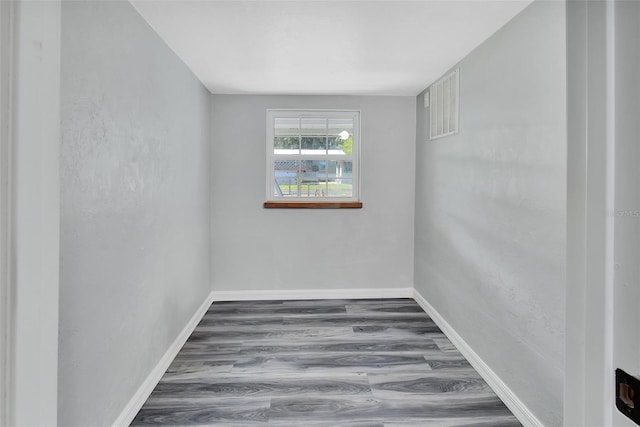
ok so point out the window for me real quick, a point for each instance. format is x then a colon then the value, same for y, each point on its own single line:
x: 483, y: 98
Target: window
x: 444, y: 104
x: 312, y: 156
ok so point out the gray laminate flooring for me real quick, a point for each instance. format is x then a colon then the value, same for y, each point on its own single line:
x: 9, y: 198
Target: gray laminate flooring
x: 350, y: 363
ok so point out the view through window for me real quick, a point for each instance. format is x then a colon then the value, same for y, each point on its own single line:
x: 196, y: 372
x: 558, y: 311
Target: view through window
x: 312, y: 154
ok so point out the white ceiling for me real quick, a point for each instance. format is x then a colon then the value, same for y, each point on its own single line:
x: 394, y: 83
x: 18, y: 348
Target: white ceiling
x: 324, y: 47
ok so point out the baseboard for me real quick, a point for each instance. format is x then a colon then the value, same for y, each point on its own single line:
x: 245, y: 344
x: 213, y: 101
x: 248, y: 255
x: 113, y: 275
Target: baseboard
x: 313, y: 294
x: 515, y: 405
x: 141, y: 396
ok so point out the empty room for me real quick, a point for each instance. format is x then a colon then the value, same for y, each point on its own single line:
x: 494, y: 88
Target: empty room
x: 355, y: 213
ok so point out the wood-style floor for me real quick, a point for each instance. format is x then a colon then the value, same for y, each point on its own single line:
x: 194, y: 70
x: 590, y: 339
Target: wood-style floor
x: 347, y: 363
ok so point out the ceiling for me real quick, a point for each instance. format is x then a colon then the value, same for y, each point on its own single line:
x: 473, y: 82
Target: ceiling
x: 354, y: 47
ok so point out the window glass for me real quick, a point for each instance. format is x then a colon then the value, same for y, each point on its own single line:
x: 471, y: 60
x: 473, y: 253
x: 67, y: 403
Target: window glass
x: 312, y: 154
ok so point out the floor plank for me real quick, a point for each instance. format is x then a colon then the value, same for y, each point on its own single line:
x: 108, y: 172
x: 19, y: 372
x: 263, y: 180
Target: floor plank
x: 321, y: 363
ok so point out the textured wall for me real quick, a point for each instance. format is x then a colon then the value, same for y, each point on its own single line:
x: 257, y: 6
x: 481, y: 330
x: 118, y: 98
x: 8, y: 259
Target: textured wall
x: 280, y: 249
x: 135, y: 206
x: 626, y: 346
x: 491, y: 207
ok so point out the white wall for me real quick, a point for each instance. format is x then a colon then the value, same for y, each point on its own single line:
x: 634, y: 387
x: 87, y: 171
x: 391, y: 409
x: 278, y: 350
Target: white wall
x: 603, y: 209
x: 291, y: 249
x: 33, y: 211
x: 588, y: 376
x: 626, y: 340
x: 135, y: 206
x: 5, y: 282
x: 490, y: 208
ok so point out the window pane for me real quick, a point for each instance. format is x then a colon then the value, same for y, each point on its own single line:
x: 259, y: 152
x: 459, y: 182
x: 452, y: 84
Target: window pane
x: 286, y: 145
x: 340, y: 133
x: 286, y: 136
x: 314, y: 170
x: 340, y: 179
x: 286, y: 174
x: 313, y: 136
x: 313, y: 178
x: 340, y: 188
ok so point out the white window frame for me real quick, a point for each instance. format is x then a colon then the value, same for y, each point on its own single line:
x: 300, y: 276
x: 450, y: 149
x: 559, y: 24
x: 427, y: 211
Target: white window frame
x: 354, y: 157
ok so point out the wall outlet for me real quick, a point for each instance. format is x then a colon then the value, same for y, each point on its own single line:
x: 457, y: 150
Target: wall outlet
x: 628, y: 395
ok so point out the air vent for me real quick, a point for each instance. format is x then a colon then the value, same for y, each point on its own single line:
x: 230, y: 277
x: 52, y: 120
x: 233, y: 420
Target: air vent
x: 445, y: 105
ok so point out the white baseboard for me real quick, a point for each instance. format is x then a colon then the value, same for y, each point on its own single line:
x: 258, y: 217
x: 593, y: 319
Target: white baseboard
x: 313, y: 294
x: 131, y: 410
x: 519, y: 409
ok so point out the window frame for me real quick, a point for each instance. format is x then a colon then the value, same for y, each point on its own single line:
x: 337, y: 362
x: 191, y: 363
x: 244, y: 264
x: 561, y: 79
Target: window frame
x: 307, y: 201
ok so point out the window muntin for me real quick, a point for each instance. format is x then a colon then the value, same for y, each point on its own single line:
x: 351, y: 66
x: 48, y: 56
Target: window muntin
x: 312, y: 155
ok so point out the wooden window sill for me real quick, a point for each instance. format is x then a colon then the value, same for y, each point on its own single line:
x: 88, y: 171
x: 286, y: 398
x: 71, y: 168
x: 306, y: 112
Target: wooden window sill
x: 313, y: 205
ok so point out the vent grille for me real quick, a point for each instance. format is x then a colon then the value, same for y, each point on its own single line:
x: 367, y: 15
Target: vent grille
x: 445, y: 105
